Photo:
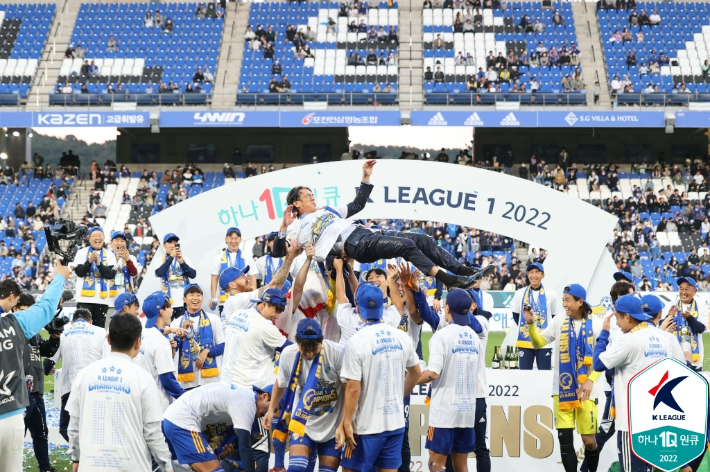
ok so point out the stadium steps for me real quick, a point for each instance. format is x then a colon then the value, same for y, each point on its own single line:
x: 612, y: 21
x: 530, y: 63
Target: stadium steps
x: 411, y: 91
x: 230, y: 56
x: 592, y: 63
x: 522, y: 253
x: 53, y: 54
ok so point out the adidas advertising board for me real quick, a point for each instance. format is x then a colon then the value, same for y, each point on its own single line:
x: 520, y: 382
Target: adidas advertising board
x: 553, y: 119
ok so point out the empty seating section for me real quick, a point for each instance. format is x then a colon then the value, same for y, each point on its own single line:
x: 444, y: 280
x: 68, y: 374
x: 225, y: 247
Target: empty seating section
x: 683, y: 36
x: 24, y: 29
x: 499, y: 32
x: 145, y: 57
x: 327, y: 76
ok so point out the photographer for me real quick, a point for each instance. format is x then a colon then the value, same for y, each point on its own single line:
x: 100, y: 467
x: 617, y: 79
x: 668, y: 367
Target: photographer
x: 95, y: 268
x: 10, y: 292
x: 36, y: 416
x: 17, y: 328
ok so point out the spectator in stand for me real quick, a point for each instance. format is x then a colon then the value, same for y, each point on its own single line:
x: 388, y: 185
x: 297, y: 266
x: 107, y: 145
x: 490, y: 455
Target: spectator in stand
x: 112, y: 45
x: 148, y: 20
x: 557, y: 19
x: 644, y: 20
x: 198, y: 76
x: 655, y: 18
x: 208, y: 75
x: 276, y: 67
x: 249, y: 34
x: 168, y: 26
x: 69, y: 53
x: 285, y: 85
x: 631, y: 59
x: 269, y: 50
x: 79, y: 53
x: 372, y: 58
x: 633, y: 18
x: 438, y: 42
x: 428, y: 75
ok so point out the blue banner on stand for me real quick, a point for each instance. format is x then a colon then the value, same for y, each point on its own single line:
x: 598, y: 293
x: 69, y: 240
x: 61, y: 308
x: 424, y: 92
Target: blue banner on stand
x: 339, y: 119
x: 211, y: 119
x: 487, y: 119
x: 118, y: 119
x: 15, y: 119
x: 692, y: 119
x: 601, y: 119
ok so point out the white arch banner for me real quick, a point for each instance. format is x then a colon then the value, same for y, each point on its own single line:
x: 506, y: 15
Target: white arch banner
x: 574, y: 232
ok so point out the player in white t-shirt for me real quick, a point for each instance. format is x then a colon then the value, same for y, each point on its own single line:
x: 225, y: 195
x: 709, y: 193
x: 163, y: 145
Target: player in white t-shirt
x: 175, y: 273
x: 267, y: 265
x: 691, y: 318
x: 380, y: 367
x: 187, y: 418
x: 641, y: 345
x: 127, y: 267
x: 310, y: 392
x: 483, y: 455
x: 230, y: 256
x: 115, y: 420
x: 454, y: 354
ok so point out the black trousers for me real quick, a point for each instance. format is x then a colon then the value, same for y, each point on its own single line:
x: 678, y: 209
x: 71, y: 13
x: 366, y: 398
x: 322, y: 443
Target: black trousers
x: 98, y: 313
x: 36, y: 422
x: 607, y: 430
x: 64, y: 418
x: 421, y: 250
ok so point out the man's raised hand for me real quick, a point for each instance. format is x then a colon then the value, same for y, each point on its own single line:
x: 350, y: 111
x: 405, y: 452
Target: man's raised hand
x: 367, y: 168
x: 289, y: 217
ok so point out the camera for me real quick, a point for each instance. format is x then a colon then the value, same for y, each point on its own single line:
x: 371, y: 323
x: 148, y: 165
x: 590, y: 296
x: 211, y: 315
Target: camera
x: 56, y: 326
x: 64, y: 230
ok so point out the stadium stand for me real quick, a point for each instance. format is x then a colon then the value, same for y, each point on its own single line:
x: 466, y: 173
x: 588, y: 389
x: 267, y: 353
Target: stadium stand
x: 325, y: 68
x: 501, y: 31
x: 682, y: 37
x: 23, y: 32
x: 152, y: 64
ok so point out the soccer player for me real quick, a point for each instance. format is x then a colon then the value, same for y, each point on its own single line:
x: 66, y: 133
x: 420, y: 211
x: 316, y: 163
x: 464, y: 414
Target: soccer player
x: 175, y: 273
x: 574, y: 336
x: 545, y: 306
x: 454, y: 354
x: 126, y: 265
x: 200, y: 350
x: 640, y: 346
x: 333, y: 235
x: 187, y: 418
x: 231, y: 256
x: 483, y: 455
x: 267, y: 265
x: 309, y: 383
x: 375, y: 362
x: 127, y: 303
x: 128, y: 433
x: 691, y: 319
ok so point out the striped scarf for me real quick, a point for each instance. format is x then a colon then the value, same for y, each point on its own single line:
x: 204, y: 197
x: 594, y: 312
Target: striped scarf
x: 173, y: 275
x: 540, y: 321
x: 575, y: 357
x: 94, y: 277
x: 226, y: 262
x: 191, y: 346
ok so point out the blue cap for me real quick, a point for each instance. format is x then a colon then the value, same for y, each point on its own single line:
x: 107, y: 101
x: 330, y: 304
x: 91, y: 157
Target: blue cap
x: 309, y: 329
x: 170, y: 236
x: 192, y: 286
x: 123, y: 300
x: 272, y: 235
x: 651, y: 304
x: 93, y: 229
x: 687, y: 280
x: 266, y: 389
x: 286, y: 286
x: 631, y: 305
x: 273, y: 296
x: 474, y: 296
x: 152, y: 306
x: 229, y: 274
x: 536, y: 265
x: 234, y: 229
x: 118, y: 234
x: 578, y: 291
x: 459, y: 303
x: 369, y: 301
x: 621, y: 275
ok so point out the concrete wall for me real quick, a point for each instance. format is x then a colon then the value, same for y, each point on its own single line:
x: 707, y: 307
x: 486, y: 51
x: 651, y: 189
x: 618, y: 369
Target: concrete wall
x: 288, y: 144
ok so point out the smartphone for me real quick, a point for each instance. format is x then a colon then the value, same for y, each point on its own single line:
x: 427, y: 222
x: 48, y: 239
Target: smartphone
x: 527, y: 308
x: 177, y: 245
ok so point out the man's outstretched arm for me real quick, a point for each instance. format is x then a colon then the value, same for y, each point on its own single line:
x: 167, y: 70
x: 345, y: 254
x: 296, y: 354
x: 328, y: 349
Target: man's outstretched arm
x: 363, y: 192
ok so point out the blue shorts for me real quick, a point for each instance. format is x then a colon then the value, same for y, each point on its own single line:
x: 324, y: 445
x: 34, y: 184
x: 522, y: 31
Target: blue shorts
x: 326, y: 448
x: 187, y: 447
x: 383, y: 450
x: 448, y: 440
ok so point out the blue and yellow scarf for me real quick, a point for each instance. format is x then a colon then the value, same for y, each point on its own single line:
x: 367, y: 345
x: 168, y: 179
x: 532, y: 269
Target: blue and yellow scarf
x: 524, y: 340
x: 224, y: 263
x: 295, y: 420
x: 269, y: 268
x: 127, y: 282
x: 577, y: 349
x: 173, y: 274
x: 94, y: 277
x: 190, y: 347
x: 685, y: 333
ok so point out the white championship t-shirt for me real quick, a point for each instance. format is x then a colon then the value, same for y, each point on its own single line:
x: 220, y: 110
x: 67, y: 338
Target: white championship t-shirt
x: 109, y: 260
x: 119, y: 279
x: 80, y: 344
x: 378, y: 356
x: 212, y: 404
x: 350, y: 322
x: 702, y: 318
x: 156, y: 358
x: 408, y: 326
x: 454, y: 354
x: 328, y: 399
x: 256, y: 353
x: 216, y: 267
x: 554, y: 305
x: 264, y: 265
x: 114, y: 399
x: 177, y: 292
x: 234, y: 330
x: 324, y: 225
x: 630, y: 354
x: 217, y: 338
x: 237, y: 302
x: 481, y: 381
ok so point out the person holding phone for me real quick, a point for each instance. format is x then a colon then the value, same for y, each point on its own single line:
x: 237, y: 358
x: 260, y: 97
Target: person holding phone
x: 126, y: 264
x: 691, y: 320
x: 175, y: 273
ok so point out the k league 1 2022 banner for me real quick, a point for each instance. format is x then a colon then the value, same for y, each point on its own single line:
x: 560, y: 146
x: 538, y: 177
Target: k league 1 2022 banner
x: 539, y: 119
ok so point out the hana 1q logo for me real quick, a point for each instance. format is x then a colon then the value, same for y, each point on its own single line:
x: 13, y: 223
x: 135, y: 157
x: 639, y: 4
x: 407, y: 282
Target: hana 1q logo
x: 667, y: 424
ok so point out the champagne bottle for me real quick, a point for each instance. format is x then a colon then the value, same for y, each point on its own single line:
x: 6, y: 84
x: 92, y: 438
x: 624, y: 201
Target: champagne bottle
x: 516, y: 365
x: 507, y: 358
x: 495, y: 363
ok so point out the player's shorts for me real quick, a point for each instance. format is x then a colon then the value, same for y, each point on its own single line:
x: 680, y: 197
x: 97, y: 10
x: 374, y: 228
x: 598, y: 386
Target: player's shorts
x: 448, y: 440
x: 187, y: 447
x: 383, y: 450
x: 326, y: 448
x: 585, y: 417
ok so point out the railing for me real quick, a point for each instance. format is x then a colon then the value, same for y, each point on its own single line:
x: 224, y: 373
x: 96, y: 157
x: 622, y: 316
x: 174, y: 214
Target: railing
x: 343, y: 99
x: 659, y: 99
x: 491, y: 98
x: 141, y: 99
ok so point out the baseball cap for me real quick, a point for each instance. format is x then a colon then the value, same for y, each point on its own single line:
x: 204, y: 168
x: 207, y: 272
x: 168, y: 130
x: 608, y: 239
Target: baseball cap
x: 117, y: 234
x: 369, y: 301
x: 93, y: 229
x: 152, y: 306
x: 266, y: 389
x: 274, y: 296
x: 233, y: 229
x: 474, y: 296
x: 687, y: 280
x: 271, y: 236
x: 651, y: 304
x: 578, y: 291
x: 170, y: 236
x: 459, y: 303
x: 536, y: 265
x: 124, y: 300
x: 631, y: 305
x: 309, y: 329
x: 193, y: 288
x: 229, y: 274
x: 621, y: 275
